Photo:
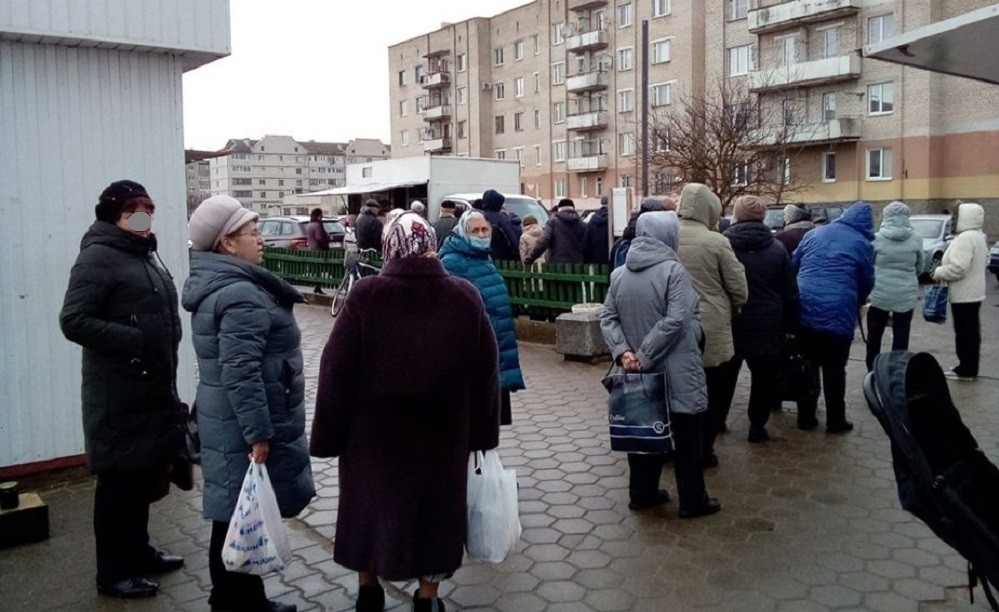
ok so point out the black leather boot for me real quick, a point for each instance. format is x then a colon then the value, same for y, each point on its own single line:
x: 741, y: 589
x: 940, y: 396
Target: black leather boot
x: 424, y: 604
x: 370, y: 598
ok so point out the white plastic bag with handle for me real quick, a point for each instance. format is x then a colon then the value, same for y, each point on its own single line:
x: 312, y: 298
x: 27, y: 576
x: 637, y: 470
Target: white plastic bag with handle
x: 493, y: 518
x: 256, y: 542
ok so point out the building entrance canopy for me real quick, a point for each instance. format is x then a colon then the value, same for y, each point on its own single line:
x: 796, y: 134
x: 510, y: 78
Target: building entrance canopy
x: 961, y: 46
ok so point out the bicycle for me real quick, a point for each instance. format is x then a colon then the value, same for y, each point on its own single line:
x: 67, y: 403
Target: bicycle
x: 355, y: 272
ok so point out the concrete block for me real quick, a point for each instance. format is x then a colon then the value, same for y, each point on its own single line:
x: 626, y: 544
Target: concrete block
x: 27, y: 523
x: 578, y: 337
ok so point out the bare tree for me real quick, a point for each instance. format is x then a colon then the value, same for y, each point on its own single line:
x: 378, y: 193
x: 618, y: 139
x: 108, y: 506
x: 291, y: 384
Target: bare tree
x: 727, y: 139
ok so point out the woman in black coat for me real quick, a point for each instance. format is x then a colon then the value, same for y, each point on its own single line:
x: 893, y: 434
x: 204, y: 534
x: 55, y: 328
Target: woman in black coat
x: 121, y: 307
x: 760, y: 328
x: 408, y: 386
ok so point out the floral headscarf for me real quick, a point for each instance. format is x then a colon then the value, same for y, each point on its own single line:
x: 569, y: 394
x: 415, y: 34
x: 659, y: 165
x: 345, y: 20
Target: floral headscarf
x: 407, y: 235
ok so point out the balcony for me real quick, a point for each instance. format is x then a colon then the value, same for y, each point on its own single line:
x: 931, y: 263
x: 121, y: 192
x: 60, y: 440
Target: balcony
x: 587, y: 81
x: 588, y: 163
x: 584, y: 42
x: 791, y: 14
x: 437, y: 145
x: 436, y: 112
x: 586, y: 5
x: 435, y: 80
x: 593, y: 120
x: 807, y: 74
x: 843, y: 129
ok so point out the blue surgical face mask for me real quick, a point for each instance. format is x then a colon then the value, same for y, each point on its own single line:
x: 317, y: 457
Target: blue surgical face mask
x: 479, y: 242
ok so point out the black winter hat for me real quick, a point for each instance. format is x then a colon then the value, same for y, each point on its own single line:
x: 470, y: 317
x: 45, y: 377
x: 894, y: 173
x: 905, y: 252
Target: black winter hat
x: 566, y: 203
x: 115, y: 196
x: 492, y: 199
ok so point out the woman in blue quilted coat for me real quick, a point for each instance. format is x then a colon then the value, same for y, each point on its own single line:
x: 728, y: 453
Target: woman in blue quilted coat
x: 466, y: 255
x: 251, y: 392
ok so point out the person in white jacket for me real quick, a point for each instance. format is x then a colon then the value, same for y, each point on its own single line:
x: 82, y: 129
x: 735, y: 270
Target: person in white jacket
x: 963, y: 268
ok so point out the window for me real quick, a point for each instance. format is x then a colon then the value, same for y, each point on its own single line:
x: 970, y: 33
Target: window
x: 499, y: 153
x: 626, y: 180
x: 461, y: 130
x: 660, y: 8
x: 559, y: 112
x: 404, y: 137
x: 261, y: 182
x: 663, y: 182
x: 881, y: 98
x: 537, y: 44
x: 661, y: 138
x: 659, y: 94
x: 558, y: 73
x: 518, y: 122
x: 582, y: 186
x: 880, y: 28
x: 560, y: 149
x: 788, y: 112
x: 499, y: 90
x: 560, y: 188
x: 625, y: 100
x: 626, y: 143
x: 879, y: 164
x: 830, y: 42
x: 785, y: 176
x: 660, y: 51
x: 280, y: 182
x: 418, y: 74
x: 738, y: 9
x: 498, y: 56
x: 625, y: 58
x: 624, y: 15
x: 537, y: 82
x: 600, y: 185
x: 828, y: 106
x: 518, y: 154
x: 402, y: 108
x: 402, y: 77
x: 263, y: 195
x: 828, y: 167
x: 558, y: 36
x: 518, y: 50
x: 741, y: 60
x: 537, y: 155
x: 499, y: 124
x: 787, y: 49
x: 461, y: 95
x: 518, y: 87
x: 421, y: 103
x: 537, y: 120
x: 741, y: 175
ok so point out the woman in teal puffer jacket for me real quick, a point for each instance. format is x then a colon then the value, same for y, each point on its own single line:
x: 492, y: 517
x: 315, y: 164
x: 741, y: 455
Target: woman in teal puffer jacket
x: 465, y: 254
x: 898, y: 261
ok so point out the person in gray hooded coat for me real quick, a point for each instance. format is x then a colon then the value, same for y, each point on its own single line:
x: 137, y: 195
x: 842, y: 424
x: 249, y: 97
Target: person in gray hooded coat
x: 251, y: 393
x: 651, y: 322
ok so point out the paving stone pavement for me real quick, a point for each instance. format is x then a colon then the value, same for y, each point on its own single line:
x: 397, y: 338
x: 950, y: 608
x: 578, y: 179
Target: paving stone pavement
x: 809, y: 521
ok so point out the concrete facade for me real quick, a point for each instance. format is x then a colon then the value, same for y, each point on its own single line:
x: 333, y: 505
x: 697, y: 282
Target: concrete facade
x: 504, y: 86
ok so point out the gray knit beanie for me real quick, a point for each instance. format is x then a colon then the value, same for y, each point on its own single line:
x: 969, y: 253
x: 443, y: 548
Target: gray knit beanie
x: 895, y: 209
x: 216, y: 218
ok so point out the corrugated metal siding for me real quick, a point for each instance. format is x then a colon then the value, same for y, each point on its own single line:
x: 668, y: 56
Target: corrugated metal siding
x: 73, y: 120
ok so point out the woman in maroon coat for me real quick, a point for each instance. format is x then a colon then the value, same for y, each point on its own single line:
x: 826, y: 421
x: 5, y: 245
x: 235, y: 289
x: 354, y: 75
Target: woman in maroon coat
x: 408, y: 386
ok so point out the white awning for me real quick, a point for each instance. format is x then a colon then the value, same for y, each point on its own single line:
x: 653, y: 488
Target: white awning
x: 363, y: 188
x: 962, y: 46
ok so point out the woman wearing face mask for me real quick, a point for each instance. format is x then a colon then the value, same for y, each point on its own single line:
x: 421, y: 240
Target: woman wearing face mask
x: 466, y: 255
x: 121, y: 306
x: 251, y: 393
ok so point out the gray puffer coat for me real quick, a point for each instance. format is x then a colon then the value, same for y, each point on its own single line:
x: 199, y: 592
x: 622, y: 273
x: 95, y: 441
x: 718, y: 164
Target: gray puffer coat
x: 252, y: 384
x: 652, y: 309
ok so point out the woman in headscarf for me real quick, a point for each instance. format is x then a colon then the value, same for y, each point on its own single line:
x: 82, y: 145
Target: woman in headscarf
x: 466, y: 255
x: 407, y: 388
x: 651, y: 323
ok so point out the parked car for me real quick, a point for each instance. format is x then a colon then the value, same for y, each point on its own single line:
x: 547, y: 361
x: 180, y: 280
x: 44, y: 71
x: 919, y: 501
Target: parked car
x: 994, y: 260
x: 935, y: 230
x: 290, y: 232
x: 516, y: 204
x: 829, y: 212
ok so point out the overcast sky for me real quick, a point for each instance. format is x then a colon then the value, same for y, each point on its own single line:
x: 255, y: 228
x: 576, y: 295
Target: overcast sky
x: 311, y: 69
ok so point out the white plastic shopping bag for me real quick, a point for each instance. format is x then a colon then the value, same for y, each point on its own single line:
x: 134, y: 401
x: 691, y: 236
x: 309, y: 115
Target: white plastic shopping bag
x: 493, y: 518
x: 256, y: 542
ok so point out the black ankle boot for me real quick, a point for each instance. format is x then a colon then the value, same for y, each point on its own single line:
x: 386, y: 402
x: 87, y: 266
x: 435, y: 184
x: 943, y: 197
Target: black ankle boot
x: 424, y: 604
x: 370, y: 598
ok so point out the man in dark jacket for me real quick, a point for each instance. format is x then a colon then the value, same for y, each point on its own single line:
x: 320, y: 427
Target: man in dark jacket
x: 835, y: 266
x: 596, y: 240
x: 797, y: 223
x: 620, y: 250
x: 368, y: 227
x: 760, y: 328
x: 506, y: 237
x: 121, y: 306
x: 445, y: 223
x: 564, y: 236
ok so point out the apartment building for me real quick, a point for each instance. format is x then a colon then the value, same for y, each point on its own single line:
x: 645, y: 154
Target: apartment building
x: 557, y: 85
x: 260, y: 173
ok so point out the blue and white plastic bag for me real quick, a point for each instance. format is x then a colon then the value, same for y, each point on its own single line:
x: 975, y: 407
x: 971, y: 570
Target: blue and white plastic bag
x: 256, y: 542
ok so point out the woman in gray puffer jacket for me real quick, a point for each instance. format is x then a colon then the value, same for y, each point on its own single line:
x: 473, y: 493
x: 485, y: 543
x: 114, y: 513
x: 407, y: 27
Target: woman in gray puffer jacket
x: 651, y: 323
x: 251, y: 393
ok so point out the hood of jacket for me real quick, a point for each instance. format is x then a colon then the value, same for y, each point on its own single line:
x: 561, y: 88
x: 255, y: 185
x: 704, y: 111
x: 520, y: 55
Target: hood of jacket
x: 970, y: 216
x: 646, y: 251
x: 568, y: 215
x: 698, y: 203
x: 749, y: 236
x: 110, y: 235
x: 599, y: 218
x: 861, y: 218
x: 896, y: 228
x: 534, y: 230
x: 460, y: 245
x: 212, y: 271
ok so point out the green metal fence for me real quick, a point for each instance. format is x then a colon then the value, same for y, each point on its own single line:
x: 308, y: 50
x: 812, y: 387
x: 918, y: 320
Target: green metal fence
x: 543, y: 289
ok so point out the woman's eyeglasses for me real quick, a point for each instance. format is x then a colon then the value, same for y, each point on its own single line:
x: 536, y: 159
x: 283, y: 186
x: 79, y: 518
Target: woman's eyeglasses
x: 255, y: 233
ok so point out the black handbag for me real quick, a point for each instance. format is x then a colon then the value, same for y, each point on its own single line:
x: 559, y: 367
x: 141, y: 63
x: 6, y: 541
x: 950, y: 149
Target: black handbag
x: 800, y: 376
x: 638, y: 412
x: 182, y: 469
